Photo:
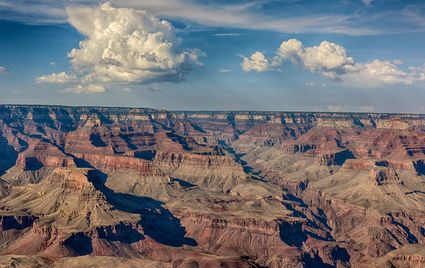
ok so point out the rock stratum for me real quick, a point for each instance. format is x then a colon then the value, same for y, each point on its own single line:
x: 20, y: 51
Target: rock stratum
x: 124, y: 187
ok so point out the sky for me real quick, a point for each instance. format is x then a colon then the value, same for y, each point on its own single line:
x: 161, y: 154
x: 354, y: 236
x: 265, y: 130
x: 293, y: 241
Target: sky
x: 275, y: 55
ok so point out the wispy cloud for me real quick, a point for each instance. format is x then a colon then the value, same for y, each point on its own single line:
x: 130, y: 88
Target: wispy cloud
x: 337, y: 108
x: 3, y: 70
x: 316, y: 85
x: 31, y: 12
x: 248, y: 15
x: 224, y: 70
x: 367, y: 2
x: 226, y: 34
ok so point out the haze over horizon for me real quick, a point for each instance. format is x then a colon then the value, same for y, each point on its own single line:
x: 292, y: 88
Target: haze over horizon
x: 288, y: 55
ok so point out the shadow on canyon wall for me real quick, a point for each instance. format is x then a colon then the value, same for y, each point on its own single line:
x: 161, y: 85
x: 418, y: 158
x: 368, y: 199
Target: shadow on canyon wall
x: 158, y: 223
x: 8, y: 155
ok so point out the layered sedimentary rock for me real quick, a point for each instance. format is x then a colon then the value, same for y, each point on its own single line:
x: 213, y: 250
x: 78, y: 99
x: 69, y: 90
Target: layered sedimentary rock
x: 83, y: 186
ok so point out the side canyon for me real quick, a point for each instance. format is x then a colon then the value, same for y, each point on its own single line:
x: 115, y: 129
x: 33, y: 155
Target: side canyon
x: 133, y: 187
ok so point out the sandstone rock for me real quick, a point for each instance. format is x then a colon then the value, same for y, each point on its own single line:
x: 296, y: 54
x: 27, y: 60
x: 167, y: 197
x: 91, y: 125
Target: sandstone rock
x: 130, y: 187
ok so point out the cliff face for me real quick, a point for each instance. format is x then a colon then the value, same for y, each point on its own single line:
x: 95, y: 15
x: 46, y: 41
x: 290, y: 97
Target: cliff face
x: 210, y: 189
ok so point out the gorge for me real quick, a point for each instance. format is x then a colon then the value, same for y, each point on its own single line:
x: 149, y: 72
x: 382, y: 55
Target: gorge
x: 83, y: 186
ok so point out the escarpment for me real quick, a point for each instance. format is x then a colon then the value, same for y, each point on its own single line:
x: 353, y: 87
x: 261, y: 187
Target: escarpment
x: 90, y: 185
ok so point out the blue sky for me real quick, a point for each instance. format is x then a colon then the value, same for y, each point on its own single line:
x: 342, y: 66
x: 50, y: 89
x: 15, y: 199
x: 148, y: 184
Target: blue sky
x: 372, y: 61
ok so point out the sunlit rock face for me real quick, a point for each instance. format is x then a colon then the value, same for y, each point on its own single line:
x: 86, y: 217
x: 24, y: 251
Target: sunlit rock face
x: 153, y: 188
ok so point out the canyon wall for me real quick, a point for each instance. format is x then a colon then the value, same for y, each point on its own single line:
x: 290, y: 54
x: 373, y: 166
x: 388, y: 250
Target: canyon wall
x: 210, y: 189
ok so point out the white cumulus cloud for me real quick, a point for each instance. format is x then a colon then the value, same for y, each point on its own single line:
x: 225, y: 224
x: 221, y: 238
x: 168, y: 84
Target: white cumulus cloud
x: 258, y: 62
x: 328, y: 58
x: 378, y: 73
x: 332, y: 61
x: 125, y: 45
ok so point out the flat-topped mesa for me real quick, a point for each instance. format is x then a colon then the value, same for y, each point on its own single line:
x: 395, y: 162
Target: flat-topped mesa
x: 113, y: 162
x: 42, y: 154
x: 416, y: 167
x: 207, y: 161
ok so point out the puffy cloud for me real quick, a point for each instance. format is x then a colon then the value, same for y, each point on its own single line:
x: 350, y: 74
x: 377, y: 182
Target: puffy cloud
x: 291, y: 50
x: 86, y: 89
x: 3, y: 70
x: 378, y: 73
x: 56, y: 78
x: 125, y: 45
x: 328, y: 58
x: 258, y: 62
x: 332, y: 61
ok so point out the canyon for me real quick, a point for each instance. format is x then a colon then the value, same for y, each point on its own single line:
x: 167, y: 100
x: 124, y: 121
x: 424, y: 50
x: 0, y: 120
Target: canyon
x: 136, y: 187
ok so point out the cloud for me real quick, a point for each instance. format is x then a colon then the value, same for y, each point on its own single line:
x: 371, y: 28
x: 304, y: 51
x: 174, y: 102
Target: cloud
x: 33, y: 12
x: 52, y: 63
x: 245, y: 15
x: 377, y: 73
x: 337, y: 108
x: 332, y: 61
x: 249, y: 14
x: 224, y: 71
x: 367, y: 109
x: 86, y: 89
x: 3, y: 70
x: 418, y: 72
x: 367, y: 2
x: 328, y: 58
x: 226, y: 34
x: 124, y: 45
x: 314, y: 84
x: 397, y: 62
x: 258, y: 62
x: 56, y: 78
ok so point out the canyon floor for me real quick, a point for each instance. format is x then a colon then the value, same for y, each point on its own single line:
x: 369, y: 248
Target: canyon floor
x: 132, y: 187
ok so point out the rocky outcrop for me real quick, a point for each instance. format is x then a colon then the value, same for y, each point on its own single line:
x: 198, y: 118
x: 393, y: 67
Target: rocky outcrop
x: 385, y: 176
x: 210, y: 189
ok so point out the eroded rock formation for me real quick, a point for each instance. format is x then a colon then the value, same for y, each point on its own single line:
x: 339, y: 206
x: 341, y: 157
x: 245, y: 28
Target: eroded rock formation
x: 153, y: 188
